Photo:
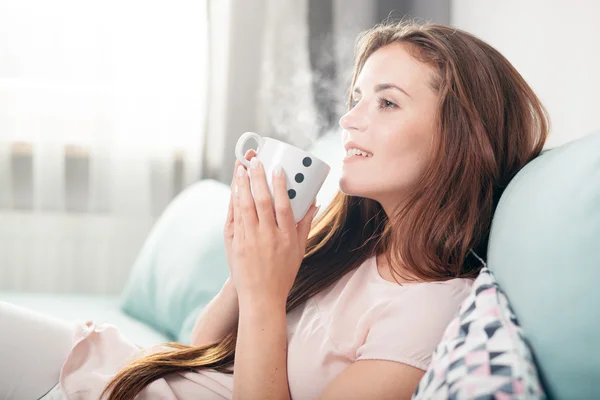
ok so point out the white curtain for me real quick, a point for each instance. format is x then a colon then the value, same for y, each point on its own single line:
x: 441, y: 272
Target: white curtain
x: 286, y: 107
x: 102, y: 116
x: 260, y: 77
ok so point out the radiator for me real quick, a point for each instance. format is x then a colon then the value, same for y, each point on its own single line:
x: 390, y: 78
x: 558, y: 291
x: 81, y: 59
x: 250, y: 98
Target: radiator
x: 76, y: 248
x: 65, y: 253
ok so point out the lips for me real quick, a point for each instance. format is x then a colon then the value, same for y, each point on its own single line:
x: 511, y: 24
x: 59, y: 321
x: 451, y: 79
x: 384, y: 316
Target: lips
x: 353, y: 145
x: 359, y: 153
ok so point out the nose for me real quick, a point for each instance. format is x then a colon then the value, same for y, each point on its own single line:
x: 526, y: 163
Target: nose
x: 354, y: 119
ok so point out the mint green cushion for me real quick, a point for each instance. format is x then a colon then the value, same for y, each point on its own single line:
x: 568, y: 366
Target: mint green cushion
x: 544, y: 249
x: 182, y: 264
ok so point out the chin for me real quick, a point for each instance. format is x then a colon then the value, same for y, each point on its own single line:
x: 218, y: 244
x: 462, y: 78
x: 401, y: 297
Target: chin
x: 350, y: 188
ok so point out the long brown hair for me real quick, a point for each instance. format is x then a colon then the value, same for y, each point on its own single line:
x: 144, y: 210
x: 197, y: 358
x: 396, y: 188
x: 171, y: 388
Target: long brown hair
x: 490, y: 124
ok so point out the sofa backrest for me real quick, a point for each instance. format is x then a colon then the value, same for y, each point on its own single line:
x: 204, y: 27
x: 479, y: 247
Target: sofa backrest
x: 544, y: 249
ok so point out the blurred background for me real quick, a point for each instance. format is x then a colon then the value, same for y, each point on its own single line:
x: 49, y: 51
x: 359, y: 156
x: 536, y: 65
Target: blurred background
x: 110, y: 109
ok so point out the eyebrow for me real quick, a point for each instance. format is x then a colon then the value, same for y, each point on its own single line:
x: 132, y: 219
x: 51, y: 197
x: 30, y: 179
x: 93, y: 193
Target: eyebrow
x: 383, y: 86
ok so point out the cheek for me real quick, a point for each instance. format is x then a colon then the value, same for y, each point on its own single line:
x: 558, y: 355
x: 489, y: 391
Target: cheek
x: 404, y: 171
x: 406, y: 158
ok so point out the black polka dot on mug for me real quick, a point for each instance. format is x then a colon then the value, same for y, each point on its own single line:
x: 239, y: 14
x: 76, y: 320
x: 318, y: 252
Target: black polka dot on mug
x: 291, y: 193
x: 307, y: 161
x: 299, y: 178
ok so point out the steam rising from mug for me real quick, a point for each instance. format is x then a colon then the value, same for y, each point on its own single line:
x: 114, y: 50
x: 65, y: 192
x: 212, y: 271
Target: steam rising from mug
x: 304, y: 173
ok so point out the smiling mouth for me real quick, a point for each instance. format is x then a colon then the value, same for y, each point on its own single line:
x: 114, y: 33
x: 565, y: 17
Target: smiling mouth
x: 357, y: 153
x: 351, y: 159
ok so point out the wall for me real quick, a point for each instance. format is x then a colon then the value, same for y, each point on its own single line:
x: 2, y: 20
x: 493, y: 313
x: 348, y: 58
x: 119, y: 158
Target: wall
x: 555, y: 45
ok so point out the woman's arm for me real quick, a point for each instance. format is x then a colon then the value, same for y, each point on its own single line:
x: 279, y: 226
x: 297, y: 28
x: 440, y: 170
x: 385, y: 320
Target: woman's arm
x: 261, y: 351
x: 374, y: 379
x: 218, y: 318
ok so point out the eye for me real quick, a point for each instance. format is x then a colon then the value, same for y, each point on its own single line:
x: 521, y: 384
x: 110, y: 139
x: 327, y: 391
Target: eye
x: 353, y: 102
x: 384, y: 103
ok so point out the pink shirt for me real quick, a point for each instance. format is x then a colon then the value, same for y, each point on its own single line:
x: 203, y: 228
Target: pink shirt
x: 361, y: 317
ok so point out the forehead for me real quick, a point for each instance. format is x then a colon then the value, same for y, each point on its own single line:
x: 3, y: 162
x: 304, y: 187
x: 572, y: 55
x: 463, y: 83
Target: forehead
x: 394, y: 64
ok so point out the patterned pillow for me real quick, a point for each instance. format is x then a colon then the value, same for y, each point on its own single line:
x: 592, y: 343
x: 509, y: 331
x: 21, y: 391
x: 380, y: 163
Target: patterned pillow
x: 483, y: 353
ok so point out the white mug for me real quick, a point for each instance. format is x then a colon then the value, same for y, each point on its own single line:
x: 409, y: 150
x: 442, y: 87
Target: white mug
x: 304, y: 173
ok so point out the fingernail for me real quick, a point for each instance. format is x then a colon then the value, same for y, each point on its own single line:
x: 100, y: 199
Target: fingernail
x: 254, y: 162
x: 277, y: 170
x: 241, y: 170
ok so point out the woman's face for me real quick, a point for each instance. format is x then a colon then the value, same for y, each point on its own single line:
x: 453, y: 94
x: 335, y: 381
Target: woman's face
x: 392, y: 117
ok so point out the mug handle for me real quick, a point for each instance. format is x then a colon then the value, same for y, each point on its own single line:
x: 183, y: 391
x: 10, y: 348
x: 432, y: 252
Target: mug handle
x: 239, y: 147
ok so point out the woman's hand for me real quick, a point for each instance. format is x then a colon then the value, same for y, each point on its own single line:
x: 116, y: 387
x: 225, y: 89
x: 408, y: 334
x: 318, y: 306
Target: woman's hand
x: 228, y: 230
x: 221, y: 315
x: 267, y: 247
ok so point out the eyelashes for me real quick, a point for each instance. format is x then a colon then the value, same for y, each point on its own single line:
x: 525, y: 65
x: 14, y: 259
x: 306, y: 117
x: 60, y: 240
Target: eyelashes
x: 382, y: 103
x: 385, y: 103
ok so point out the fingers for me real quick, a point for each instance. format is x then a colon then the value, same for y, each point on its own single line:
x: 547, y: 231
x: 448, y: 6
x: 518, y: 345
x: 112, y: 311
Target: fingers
x: 249, y: 154
x: 230, y: 209
x: 306, y: 222
x: 262, y: 195
x: 238, y: 223
x: 283, y: 205
x: 245, y: 201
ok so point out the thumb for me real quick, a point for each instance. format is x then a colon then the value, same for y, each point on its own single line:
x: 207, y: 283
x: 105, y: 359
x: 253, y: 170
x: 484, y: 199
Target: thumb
x: 305, y: 223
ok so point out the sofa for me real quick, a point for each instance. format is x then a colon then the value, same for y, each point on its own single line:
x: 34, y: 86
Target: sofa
x: 185, y: 241
x: 544, y: 252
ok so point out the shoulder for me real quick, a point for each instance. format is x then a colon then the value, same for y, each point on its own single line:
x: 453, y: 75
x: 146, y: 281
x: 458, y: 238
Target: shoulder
x: 428, y: 308
x: 432, y: 298
x: 410, y: 325
x: 453, y: 290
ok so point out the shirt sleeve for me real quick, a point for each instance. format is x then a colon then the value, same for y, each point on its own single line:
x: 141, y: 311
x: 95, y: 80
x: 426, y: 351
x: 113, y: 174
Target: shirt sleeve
x: 408, y: 328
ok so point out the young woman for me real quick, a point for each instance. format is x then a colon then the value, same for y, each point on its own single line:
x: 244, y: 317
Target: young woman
x: 352, y: 304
